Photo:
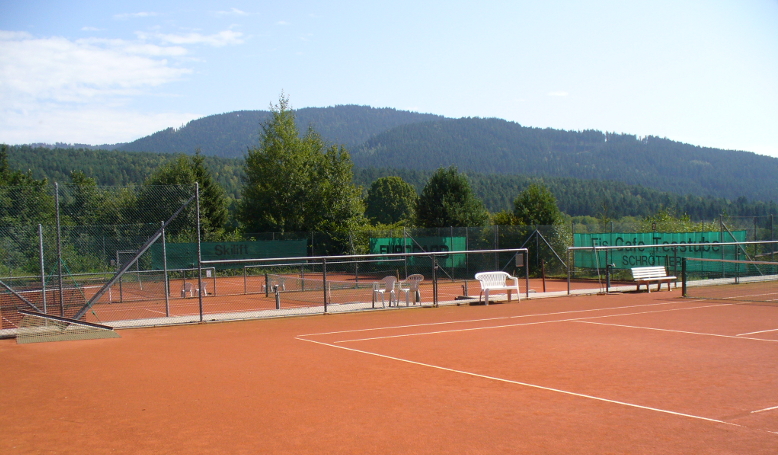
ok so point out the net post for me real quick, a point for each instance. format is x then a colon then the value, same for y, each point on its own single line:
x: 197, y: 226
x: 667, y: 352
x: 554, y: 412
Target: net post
x: 683, y: 276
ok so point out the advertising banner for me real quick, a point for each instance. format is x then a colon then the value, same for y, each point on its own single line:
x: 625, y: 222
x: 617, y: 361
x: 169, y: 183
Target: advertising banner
x: 390, y: 245
x: 656, y: 248
x: 184, y: 255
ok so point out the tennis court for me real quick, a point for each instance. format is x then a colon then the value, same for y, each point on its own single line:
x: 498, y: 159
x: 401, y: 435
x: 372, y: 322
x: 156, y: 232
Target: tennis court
x: 631, y: 373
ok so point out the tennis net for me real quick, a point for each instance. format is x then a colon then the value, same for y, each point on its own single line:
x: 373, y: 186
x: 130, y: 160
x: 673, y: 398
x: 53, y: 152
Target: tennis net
x: 731, y: 280
x: 297, y: 291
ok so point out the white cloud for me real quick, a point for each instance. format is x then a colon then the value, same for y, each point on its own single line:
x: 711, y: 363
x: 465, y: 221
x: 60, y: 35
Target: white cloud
x: 58, y: 69
x: 559, y: 93
x: 134, y: 15
x: 90, y: 125
x: 232, y: 12
x: 58, y: 89
x: 223, y: 38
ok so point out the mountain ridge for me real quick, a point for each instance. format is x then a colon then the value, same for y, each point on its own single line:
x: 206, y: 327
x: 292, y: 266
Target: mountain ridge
x: 391, y: 138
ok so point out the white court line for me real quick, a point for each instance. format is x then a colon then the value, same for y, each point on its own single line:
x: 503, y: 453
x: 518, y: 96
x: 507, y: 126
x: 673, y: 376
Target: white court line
x: 759, y: 331
x: 465, y: 321
x: 526, y: 324
x: 735, y: 337
x: 765, y: 409
x: 525, y: 384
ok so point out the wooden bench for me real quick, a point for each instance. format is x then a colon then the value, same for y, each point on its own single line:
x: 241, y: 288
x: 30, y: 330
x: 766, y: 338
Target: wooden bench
x: 650, y: 275
x: 497, y: 281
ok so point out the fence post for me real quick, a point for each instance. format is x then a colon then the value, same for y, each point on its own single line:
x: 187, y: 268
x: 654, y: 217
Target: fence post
x: 434, y: 281
x: 199, y: 253
x: 683, y: 276
x: 324, y: 281
x: 569, y: 270
x: 43, y: 270
x: 165, y: 277
x: 59, y: 252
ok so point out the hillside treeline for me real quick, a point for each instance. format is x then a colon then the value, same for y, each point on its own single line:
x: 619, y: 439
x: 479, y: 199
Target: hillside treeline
x: 388, y: 138
x: 494, y: 146
x: 229, y: 135
x: 576, y: 197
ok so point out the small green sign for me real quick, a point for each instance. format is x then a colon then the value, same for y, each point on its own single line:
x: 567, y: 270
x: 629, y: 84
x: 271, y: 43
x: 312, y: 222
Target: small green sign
x: 184, y: 255
x: 396, y: 245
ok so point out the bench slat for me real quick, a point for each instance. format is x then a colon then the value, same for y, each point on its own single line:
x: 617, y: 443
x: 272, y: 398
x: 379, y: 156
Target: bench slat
x: 648, y: 275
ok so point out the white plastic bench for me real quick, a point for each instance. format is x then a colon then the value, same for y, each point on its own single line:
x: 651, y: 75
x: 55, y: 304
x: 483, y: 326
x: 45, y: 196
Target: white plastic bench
x: 648, y: 275
x: 497, y: 281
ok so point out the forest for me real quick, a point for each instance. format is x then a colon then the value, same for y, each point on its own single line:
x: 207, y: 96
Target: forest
x: 388, y: 138
x: 575, y: 196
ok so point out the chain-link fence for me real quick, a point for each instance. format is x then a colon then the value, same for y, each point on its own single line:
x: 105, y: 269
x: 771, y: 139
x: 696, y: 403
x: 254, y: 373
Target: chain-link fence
x: 119, y: 255
x: 61, y: 245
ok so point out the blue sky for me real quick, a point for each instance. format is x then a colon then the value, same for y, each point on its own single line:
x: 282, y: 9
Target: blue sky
x: 97, y: 72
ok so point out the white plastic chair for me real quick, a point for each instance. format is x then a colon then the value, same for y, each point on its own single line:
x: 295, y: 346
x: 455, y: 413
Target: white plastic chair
x: 385, y: 286
x: 410, y: 285
x: 188, y: 288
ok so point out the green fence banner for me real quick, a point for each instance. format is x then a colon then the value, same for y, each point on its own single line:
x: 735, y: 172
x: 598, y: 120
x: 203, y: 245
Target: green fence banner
x: 184, y: 255
x: 659, y: 249
x: 392, y: 245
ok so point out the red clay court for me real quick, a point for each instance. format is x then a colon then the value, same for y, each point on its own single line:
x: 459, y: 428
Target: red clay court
x: 629, y: 373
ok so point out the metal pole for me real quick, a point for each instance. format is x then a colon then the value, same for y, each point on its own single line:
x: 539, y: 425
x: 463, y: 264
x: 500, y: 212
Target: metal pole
x: 199, y: 253
x: 119, y: 266
x: 59, y: 253
x: 324, y: 282
x: 434, y: 281
x: 43, y: 271
x: 569, y: 269
x: 683, y: 276
x: 164, y: 267
x: 526, y: 274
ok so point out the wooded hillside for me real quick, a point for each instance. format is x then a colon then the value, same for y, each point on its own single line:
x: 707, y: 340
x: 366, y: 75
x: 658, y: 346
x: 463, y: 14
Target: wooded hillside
x: 576, y: 197
x: 413, y: 141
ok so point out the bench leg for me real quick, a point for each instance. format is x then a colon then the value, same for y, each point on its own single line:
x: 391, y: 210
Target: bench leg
x: 486, y: 296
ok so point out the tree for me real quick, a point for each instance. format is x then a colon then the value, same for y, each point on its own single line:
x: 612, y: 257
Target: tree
x: 536, y: 206
x: 296, y: 183
x: 448, y: 200
x: 503, y: 218
x: 85, y: 201
x: 24, y: 201
x: 668, y: 221
x: 186, y: 170
x: 390, y: 200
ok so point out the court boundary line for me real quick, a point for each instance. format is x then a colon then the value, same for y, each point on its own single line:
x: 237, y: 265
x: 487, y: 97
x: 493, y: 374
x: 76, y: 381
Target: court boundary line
x: 581, y: 319
x: 765, y: 409
x: 464, y: 321
x: 525, y: 384
x: 735, y: 337
x: 758, y: 331
x: 586, y: 320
